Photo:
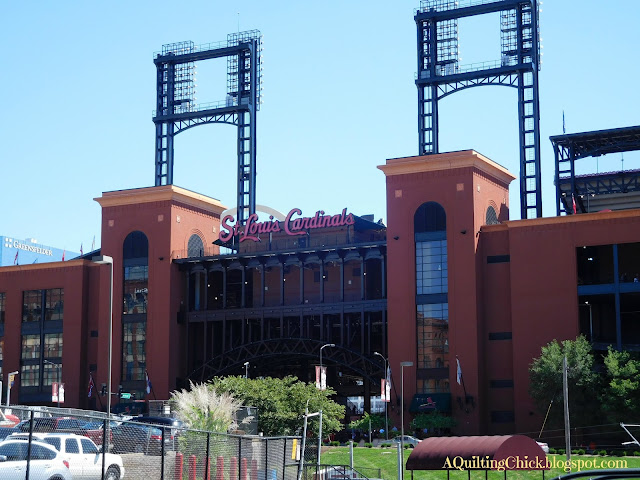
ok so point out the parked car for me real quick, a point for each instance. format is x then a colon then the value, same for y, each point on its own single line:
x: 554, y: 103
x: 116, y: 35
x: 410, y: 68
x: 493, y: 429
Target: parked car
x: 408, y: 440
x: 176, y: 425
x: 46, y: 462
x: 6, y: 431
x: 544, y: 447
x: 83, y: 456
x: 53, y: 424
x: 93, y: 430
x: 138, y: 438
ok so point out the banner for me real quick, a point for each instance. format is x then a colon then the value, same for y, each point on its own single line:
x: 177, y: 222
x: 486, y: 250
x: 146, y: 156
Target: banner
x: 321, y: 378
x: 57, y: 392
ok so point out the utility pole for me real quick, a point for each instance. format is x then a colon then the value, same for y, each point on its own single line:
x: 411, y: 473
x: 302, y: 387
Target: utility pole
x: 565, y: 394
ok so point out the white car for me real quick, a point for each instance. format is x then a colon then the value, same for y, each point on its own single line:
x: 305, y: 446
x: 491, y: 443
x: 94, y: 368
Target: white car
x: 544, y: 446
x: 46, y: 462
x: 83, y: 456
x: 408, y: 440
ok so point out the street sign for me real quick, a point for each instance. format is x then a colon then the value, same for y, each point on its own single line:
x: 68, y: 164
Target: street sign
x: 12, y: 379
x: 126, y: 396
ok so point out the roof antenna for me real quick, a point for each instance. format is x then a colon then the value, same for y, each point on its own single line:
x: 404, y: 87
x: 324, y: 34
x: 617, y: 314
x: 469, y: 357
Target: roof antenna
x: 238, y: 22
x: 622, y: 161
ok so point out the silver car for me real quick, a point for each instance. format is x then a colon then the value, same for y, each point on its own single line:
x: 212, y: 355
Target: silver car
x: 408, y: 440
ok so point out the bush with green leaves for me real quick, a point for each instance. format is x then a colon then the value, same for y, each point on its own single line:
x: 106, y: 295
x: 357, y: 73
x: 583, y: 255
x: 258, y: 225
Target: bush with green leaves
x: 435, y: 422
x: 281, y: 403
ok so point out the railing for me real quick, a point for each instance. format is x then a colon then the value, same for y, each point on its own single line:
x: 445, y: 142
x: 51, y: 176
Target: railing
x: 139, y: 448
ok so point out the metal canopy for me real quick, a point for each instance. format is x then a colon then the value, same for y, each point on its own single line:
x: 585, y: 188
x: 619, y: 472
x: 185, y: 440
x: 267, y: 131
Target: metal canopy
x: 433, y: 453
x: 598, y: 142
x: 571, y: 147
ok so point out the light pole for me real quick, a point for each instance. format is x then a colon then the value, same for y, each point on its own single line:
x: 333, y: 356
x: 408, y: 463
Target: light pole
x: 101, y: 260
x: 402, y: 365
x: 325, y: 345
x: 590, y: 321
x: 246, y: 370
x: 386, y: 416
x: 58, y: 376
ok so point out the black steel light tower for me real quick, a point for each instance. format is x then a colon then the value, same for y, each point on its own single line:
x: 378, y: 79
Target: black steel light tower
x: 177, y: 111
x: 440, y: 74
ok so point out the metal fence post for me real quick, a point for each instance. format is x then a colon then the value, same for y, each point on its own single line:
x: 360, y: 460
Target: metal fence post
x: 266, y: 457
x: 29, y: 445
x: 207, y: 466
x: 105, y: 446
x: 239, y: 455
x: 162, y: 454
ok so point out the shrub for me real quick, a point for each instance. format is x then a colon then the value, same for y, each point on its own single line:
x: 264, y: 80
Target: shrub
x: 560, y: 451
x: 334, y: 444
x: 552, y: 450
x: 602, y: 453
x: 579, y: 451
x: 636, y: 453
x: 620, y: 453
x: 368, y: 445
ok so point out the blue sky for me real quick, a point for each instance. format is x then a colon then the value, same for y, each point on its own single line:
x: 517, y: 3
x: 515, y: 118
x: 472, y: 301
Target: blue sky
x: 77, y: 91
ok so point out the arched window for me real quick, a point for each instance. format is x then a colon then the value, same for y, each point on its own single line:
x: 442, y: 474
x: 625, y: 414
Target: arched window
x: 432, y: 287
x: 135, y: 259
x: 195, y: 246
x: 492, y: 216
x: 430, y: 217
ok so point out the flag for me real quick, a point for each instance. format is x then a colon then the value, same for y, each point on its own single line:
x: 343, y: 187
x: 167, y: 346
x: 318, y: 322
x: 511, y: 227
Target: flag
x: 91, y: 385
x: 81, y: 249
x: 149, y: 386
x: 63, y: 252
x: 459, y: 372
x: 563, y: 129
x: 15, y: 260
x: 573, y: 199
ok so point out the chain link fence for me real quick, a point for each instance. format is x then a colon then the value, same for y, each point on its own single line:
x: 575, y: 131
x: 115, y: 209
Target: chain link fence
x: 140, y: 449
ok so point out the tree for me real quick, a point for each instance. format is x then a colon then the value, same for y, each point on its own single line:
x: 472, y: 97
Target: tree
x: 620, y: 398
x: 281, y: 403
x: 377, y: 422
x: 545, y: 381
x: 435, y: 422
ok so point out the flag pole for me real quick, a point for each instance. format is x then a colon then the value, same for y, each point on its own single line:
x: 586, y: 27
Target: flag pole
x: 461, y: 378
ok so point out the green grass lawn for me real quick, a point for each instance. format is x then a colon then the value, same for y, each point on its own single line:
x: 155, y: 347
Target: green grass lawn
x: 385, y: 459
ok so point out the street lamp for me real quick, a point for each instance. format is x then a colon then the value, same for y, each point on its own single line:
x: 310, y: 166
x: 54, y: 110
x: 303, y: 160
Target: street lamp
x: 325, y: 345
x: 246, y: 370
x: 386, y: 416
x: 590, y: 320
x: 58, y: 376
x: 402, y: 365
x: 101, y: 260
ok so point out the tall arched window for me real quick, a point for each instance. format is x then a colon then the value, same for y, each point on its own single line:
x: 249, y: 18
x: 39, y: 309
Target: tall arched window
x: 492, y: 216
x: 135, y: 259
x: 195, y: 246
x: 432, y: 305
